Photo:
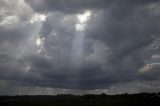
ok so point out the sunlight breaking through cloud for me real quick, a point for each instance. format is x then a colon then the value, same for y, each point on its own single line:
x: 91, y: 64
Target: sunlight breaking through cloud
x: 38, y: 18
x: 78, y: 41
x: 38, y: 42
x: 79, y: 44
x: 9, y: 20
x: 82, y: 20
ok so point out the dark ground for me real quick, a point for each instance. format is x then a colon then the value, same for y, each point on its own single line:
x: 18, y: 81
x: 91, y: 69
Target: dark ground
x: 142, y: 99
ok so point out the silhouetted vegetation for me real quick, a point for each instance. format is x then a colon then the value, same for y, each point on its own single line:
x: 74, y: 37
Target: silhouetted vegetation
x: 142, y: 99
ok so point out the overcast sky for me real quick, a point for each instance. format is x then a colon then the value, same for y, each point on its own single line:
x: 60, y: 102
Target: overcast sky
x: 79, y: 46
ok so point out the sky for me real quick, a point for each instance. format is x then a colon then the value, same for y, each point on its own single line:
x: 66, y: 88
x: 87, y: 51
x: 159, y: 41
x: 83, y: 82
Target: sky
x: 50, y: 47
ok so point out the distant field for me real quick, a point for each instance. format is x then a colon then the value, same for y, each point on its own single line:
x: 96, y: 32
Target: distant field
x: 143, y: 99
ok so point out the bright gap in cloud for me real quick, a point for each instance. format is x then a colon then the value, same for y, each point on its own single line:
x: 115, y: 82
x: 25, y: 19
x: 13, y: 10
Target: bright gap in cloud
x: 38, y: 18
x: 151, y: 63
x: 9, y: 20
x: 82, y: 20
x: 38, y: 42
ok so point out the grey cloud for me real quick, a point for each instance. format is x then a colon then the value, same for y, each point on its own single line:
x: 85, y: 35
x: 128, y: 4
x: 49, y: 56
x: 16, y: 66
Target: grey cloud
x: 127, y: 54
x: 119, y: 38
x: 71, y: 6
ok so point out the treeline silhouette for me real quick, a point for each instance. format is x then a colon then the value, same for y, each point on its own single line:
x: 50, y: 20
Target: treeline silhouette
x: 141, y: 99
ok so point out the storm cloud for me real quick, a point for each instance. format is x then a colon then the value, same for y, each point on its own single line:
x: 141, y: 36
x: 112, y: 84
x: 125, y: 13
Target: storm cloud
x: 79, y: 46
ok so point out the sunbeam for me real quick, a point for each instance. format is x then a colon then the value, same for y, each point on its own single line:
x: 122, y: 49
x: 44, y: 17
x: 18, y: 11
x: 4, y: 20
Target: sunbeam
x: 77, y: 49
x: 108, y: 46
x: 78, y: 40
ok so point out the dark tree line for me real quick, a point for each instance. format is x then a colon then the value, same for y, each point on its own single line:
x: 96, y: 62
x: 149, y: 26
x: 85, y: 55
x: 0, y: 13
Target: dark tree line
x: 141, y: 99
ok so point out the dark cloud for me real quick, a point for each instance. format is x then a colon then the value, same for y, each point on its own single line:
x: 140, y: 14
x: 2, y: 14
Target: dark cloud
x: 68, y: 6
x: 40, y: 46
x: 78, y: 6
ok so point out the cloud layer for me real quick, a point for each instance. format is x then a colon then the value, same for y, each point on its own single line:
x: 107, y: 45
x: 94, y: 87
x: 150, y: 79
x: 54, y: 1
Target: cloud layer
x: 117, y: 46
